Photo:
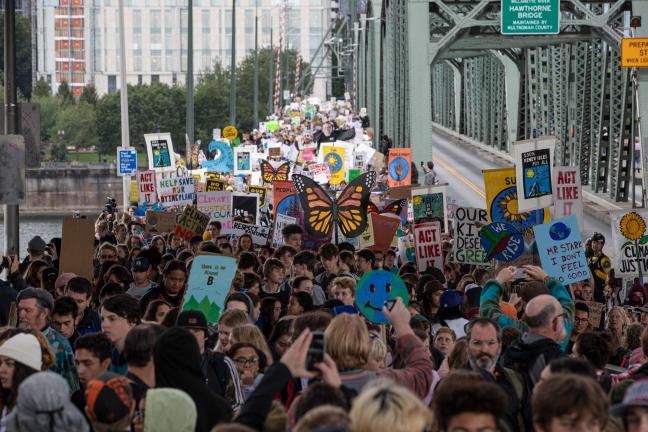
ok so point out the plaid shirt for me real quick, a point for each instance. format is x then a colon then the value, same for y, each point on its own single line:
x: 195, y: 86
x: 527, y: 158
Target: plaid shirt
x: 65, y: 365
x: 417, y: 373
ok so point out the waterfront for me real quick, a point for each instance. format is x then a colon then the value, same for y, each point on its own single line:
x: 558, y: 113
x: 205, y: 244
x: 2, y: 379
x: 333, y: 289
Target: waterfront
x: 46, y: 227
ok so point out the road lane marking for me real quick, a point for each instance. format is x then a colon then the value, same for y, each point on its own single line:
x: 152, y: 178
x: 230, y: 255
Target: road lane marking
x: 455, y: 173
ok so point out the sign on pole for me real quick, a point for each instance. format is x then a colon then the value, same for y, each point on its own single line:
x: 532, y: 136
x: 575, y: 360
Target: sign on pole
x: 567, y: 192
x: 126, y: 161
x: 634, y: 52
x: 427, y: 237
x: 530, y: 17
x: 230, y: 133
x: 533, y: 170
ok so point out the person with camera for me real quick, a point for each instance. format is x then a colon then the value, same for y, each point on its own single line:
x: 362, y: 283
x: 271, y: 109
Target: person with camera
x: 9, y: 288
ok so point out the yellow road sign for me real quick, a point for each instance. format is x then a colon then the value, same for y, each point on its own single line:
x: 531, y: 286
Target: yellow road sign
x: 634, y: 52
x: 230, y: 133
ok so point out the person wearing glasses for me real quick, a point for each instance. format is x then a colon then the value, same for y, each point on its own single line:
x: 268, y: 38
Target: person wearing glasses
x: 581, y: 324
x: 251, y: 363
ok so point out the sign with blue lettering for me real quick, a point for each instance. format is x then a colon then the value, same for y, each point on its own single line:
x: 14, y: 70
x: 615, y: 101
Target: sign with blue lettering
x: 561, y: 250
x: 126, y: 161
x: 501, y: 241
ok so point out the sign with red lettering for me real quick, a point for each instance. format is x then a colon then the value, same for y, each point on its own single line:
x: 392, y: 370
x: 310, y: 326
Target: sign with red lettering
x: 427, y: 237
x: 146, y: 187
x: 567, y: 192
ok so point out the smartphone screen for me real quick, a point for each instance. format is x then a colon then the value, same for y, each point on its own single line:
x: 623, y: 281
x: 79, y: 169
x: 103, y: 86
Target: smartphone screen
x: 315, y: 351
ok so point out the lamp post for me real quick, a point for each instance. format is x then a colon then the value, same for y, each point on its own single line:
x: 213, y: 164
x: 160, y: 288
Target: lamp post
x: 233, y: 68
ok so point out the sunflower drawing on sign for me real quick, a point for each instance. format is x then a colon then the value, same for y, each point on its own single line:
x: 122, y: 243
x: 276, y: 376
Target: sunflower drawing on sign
x: 633, y: 227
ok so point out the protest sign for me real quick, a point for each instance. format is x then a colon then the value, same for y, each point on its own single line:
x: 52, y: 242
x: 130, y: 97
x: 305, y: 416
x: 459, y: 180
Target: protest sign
x: 430, y: 203
x: 175, y: 191
x: 561, y: 250
x: 366, y: 238
x: 467, y: 248
x: 258, y: 233
x: 213, y: 185
x: 246, y: 206
x: 146, y: 187
x: 160, y: 151
x: 399, y: 167
x: 363, y: 155
x: 353, y: 173
x: 629, y: 240
x: 334, y: 157
x: 134, y: 190
x: 77, y: 247
x: 281, y: 221
x: 307, y: 153
x: 159, y: 222
x: 218, y: 206
x: 567, y: 192
x: 375, y: 288
x: 533, y: 170
x: 230, y: 132
x: 320, y: 172
x: 209, y: 282
x: 262, y: 192
x: 384, y: 228
x: 286, y: 200
x: 191, y: 222
x: 502, y: 203
x: 427, y: 237
x: 243, y: 158
x: 595, y: 313
x: 501, y: 242
x: 220, y: 157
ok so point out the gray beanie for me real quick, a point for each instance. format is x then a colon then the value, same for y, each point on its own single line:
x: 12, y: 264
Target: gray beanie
x: 43, y: 405
x: 39, y: 294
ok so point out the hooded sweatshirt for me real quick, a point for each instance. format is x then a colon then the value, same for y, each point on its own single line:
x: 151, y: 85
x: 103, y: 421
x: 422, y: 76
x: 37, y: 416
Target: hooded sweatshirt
x: 177, y: 365
x: 169, y: 410
x: 530, y: 354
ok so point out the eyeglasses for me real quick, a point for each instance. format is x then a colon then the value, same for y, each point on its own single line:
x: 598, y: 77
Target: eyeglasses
x: 580, y: 320
x: 242, y: 361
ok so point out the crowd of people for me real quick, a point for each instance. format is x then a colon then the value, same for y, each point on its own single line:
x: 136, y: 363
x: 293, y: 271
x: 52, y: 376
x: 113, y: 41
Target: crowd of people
x: 473, y: 349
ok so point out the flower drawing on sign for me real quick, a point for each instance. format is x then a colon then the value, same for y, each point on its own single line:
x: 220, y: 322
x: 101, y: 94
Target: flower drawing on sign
x: 633, y: 227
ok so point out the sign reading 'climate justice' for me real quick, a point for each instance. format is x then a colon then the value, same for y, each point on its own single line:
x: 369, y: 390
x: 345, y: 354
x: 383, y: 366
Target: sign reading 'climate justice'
x: 530, y: 17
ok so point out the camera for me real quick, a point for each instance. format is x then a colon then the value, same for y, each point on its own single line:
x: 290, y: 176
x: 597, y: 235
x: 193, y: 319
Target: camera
x: 111, y: 205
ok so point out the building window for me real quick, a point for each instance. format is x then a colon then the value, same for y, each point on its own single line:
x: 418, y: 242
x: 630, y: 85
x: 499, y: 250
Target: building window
x: 266, y: 28
x: 112, y: 83
x: 155, y: 79
x: 139, y: 80
x: 249, y: 30
x: 156, y: 61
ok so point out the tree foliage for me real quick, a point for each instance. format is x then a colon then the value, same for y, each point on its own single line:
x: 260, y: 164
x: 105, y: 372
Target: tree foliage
x: 23, y: 54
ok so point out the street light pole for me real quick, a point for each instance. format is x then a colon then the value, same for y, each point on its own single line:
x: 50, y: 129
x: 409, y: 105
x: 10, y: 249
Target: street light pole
x: 11, y: 211
x: 190, y: 84
x: 233, y: 68
x: 123, y: 96
x: 256, y: 68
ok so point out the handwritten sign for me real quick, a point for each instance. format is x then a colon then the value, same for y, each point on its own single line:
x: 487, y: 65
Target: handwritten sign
x: 366, y: 238
x: 467, y: 245
x: 561, y: 250
x: 213, y: 185
x: 567, y: 192
x: 258, y: 233
x: 146, y: 187
x: 427, y: 237
x: 630, y: 242
x: 209, y: 282
x: 281, y: 221
x: 191, y: 222
x: 175, y: 191
x: 320, y: 172
x: 218, y: 206
x: 159, y: 222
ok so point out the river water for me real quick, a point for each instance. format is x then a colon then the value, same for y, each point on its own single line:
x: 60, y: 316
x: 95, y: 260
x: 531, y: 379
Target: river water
x: 46, y: 227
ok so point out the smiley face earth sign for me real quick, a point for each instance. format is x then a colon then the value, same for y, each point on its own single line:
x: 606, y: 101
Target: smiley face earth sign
x: 374, y: 289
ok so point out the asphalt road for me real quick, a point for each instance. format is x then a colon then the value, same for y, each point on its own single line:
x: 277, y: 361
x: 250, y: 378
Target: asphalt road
x: 460, y: 165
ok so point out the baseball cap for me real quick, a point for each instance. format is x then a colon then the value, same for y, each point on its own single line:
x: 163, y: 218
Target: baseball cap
x: 451, y: 298
x: 635, y: 396
x: 23, y: 348
x: 598, y: 237
x: 140, y: 265
x: 192, y: 319
x: 63, y: 280
x: 109, y: 398
x: 36, y: 244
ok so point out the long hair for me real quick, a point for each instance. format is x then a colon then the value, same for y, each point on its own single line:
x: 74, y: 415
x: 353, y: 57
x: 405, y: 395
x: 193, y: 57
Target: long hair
x: 20, y: 374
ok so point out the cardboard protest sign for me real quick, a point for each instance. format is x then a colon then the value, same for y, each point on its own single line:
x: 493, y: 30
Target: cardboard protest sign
x: 501, y: 242
x: 160, y: 151
x: 374, y: 289
x: 427, y: 237
x: 430, y: 203
x: 286, y: 200
x: 629, y: 239
x: 399, y: 167
x: 246, y: 206
x: 243, y: 158
x: 209, y: 282
x: 561, y: 250
x: 218, y: 206
x: 77, y: 247
x: 334, y: 157
x: 134, y: 191
x: 567, y: 192
x: 262, y: 192
x: 175, y: 191
x: 146, y: 187
x: 159, y: 222
x: 281, y: 221
x: 366, y: 238
x: 191, y: 222
x: 220, y: 157
x: 213, y: 185
x: 320, y: 172
x: 533, y: 169
x: 502, y: 203
x: 406, y: 248
x: 596, y: 313
x: 467, y: 248
x: 258, y: 233
x: 384, y: 227
x: 307, y: 154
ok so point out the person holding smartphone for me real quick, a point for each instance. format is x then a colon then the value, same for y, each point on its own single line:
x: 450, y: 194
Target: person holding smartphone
x: 9, y: 288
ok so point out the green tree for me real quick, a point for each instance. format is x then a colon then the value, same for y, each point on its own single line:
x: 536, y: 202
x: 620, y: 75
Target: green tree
x: 79, y: 123
x: 58, y: 151
x: 108, y: 129
x: 211, y: 102
x: 41, y: 89
x: 65, y: 94
x: 49, y: 110
x: 89, y: 95
x: 23, y: 54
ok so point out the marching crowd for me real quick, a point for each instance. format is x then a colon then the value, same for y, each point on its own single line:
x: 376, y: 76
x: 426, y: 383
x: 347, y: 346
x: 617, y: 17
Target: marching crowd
x: 474, y: 349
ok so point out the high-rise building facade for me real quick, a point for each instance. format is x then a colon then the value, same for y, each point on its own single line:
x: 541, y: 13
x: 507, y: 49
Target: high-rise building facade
x: 78, y: 40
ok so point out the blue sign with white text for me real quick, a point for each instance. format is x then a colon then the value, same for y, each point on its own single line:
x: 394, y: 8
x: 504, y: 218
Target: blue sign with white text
x: 127, y: 161
x: 561, y: 250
